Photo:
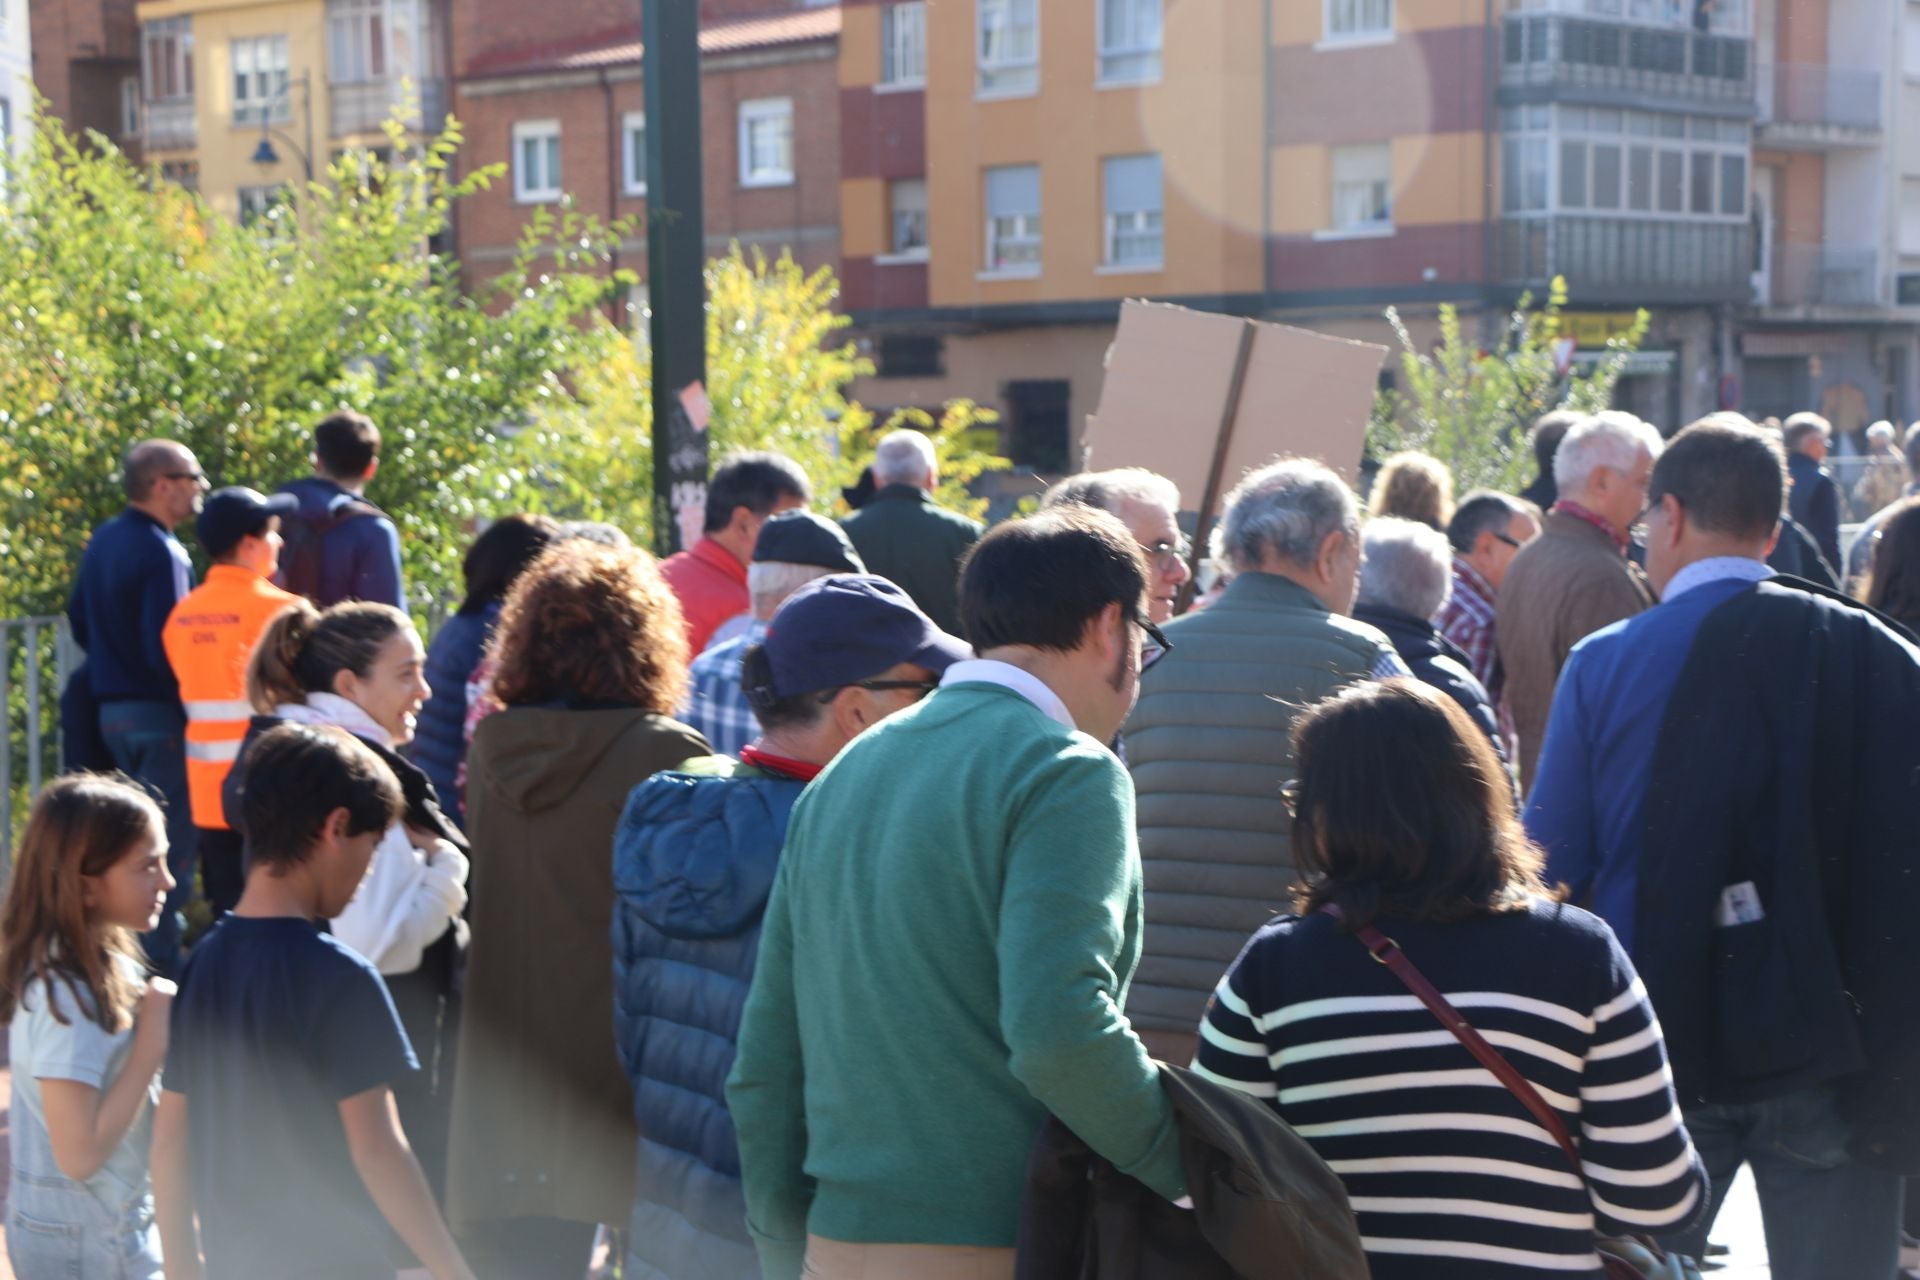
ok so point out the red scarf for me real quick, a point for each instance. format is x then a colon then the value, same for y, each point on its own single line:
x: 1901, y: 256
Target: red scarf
x: 798, y: 770
x: 1578, y: 512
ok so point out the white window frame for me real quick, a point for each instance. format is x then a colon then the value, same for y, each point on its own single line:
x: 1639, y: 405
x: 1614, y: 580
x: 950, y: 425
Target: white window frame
x: 1569, y: 131
x: 761, y: 111
x: 1005, y: 77
x: 895, y: 254
x: 168, y: 40
x: 1116, y: 53
x: 265, y: 79
x: 1356, y: 35
x: 1022, y: 228
x: 1363, y: 228
x: 381, y: 41
x: 903, y: 47
x: 132, y: 99
x: 552, y: 183
x: 1139, y: 223
x: 633, y: 166
x: 1907, y: 223
x: 1910, y: 41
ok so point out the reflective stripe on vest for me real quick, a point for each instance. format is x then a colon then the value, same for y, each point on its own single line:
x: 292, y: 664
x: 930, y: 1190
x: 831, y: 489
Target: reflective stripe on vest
x: 214, y: 752
x: 238, y: 709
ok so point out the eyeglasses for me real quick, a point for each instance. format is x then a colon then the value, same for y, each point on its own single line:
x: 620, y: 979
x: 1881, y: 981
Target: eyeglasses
x: 1168, y: 554
x: 880, y: 686
x: 1290, y: 795
x: 1155, y: 634
x: 1512, y: 542
x: 198, y: 477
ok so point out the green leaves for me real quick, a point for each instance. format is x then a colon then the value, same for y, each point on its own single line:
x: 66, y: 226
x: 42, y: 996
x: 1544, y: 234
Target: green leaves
x: 1471, y: 406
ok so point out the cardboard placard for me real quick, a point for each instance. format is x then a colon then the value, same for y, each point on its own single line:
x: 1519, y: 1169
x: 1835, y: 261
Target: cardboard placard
x: 1170, y: 389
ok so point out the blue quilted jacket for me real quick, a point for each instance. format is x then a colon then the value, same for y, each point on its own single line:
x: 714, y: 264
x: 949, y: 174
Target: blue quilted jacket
x: 439, y: 737
x: 693, y: 863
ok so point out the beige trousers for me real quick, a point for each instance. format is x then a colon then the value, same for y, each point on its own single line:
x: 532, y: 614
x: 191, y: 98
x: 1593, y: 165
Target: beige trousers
x: 837, y: 1260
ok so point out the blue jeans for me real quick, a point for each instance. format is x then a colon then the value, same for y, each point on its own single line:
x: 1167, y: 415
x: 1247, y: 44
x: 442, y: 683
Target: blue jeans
x: 56, y: 1227
x: 148, y: 741
x: 1827, y: 1217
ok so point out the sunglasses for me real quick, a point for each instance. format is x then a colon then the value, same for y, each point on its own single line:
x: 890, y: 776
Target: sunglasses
x: 1512, y: 542
x: 198, y: 477
x: 1155, y: 634
x: 880, y: 686
x: 1290, y: 795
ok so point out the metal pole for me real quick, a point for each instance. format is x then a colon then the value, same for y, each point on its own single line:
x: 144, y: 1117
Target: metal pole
x: 36, y: 747
x: 676, y: 261
x: 6, y: 745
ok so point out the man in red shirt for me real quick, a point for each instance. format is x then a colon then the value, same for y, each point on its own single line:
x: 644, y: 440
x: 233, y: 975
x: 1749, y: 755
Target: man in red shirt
x: 711, y: 576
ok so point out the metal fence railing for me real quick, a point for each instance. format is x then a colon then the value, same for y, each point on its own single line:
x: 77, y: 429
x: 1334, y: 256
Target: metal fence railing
x: 36, y: 657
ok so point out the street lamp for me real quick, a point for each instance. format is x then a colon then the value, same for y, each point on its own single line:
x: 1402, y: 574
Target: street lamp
x: 264, y: 155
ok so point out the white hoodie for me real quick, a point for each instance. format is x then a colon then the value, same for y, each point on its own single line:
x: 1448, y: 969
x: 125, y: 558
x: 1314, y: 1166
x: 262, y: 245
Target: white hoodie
x: 406, y: 901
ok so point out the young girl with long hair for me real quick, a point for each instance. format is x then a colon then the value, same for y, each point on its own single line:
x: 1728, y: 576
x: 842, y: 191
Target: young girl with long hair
x: 88, y: 1030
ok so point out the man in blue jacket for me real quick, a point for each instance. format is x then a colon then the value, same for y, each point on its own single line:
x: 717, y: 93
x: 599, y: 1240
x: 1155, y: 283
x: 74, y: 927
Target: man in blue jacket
x: 693, y: 864
x: 1727, y: 780
x: 340, y: 546
x: 133, y: 573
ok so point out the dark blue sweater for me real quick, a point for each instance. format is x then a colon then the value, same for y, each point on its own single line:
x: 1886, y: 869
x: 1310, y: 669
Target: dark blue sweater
x: 439, y: 734
x: 359, y: 558
x: 133, y: 573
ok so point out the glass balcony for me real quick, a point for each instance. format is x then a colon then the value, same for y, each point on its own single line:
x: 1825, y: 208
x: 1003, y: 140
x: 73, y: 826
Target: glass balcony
x: 1805, y: 105
x: 171, y: 125
x: 1629, y: 260
x: 1812, y: 275
x: 1580, y: 59
x: 364, y: 108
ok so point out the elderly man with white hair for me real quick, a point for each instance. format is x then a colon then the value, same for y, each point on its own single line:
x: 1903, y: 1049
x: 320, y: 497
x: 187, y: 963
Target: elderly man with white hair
x: 1149, y: 505
x: 1575, y: 578
x: 1211, y: 739
x: 1405, y: 579
x: 904, y: 536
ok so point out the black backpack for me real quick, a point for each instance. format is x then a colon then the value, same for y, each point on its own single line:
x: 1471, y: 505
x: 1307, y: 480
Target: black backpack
x: 304, y: 552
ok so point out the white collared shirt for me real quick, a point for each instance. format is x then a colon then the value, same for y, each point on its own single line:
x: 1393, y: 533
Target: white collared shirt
x: 1008, y: 676
x: 1714, y: 569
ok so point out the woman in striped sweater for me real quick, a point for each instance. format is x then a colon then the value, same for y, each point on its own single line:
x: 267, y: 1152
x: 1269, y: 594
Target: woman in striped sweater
x: 1403, y: 820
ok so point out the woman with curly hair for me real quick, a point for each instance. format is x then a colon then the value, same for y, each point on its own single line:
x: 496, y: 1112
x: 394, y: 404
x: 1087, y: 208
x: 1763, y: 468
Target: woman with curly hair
x: 1416, y: 487
x: 590, y: 661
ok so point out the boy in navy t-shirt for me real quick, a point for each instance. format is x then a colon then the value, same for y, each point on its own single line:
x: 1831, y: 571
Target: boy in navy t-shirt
x: 276, y: 1120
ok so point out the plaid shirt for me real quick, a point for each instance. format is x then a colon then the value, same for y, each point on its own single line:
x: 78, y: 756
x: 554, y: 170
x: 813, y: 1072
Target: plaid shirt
x: 1467, y: 620
x: 718, y: 706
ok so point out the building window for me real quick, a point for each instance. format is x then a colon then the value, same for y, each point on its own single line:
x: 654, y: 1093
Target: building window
x: 766, y: 142
x: 369, y: 41
x: 1910, y: 41
x: 1009, y: 47
x: 633, y: 152
x: 1358, y: 20
x: 1910, y: 216
x: 903, y: 46
x: 1013, y: 220
x: 1363, y: 188
x: 907, y: 201
x: 130, y: 107
x: 536, y: 161
x: 260, y: 80
x: 1633, y: 163
x: 1133, y: 235
x: 166, y: 59
x: 1129, y: 41
x: 258, y: 203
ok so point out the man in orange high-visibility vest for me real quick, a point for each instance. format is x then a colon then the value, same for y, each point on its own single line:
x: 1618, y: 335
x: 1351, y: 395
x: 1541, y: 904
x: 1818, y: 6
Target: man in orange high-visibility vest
x: 210, y: 636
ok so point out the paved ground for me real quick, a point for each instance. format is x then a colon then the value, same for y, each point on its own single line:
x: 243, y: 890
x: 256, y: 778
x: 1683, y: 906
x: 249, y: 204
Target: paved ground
x: 1739, y: 1226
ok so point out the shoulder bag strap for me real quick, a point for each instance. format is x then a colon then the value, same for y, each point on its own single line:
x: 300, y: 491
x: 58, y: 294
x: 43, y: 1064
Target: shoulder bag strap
x: 1386, y: 951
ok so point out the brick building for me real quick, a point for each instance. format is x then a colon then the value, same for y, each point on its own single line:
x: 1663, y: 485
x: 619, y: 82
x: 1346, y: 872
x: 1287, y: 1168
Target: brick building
x: 86, y: 63
x: 558, y: 98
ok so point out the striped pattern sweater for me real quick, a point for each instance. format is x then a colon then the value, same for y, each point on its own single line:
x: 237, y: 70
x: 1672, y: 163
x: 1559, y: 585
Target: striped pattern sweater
x: 1449, y: 1175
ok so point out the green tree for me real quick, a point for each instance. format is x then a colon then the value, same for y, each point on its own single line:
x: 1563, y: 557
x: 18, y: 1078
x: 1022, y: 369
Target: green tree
x: 1471, y: 407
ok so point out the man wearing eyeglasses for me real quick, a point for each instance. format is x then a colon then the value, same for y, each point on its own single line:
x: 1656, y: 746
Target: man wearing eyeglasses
x: 951, y: 935
x: 133, y: 573
x: 1149, y: 505
x: 694, y: 860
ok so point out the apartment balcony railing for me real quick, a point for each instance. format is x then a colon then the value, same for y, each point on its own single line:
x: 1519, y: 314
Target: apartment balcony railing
x: 364, y: 108
x: 171, y: 125
x: 1798, y: 97
x: 1812, y: 275
x: 1623, y: 64
x: 1629, y: 260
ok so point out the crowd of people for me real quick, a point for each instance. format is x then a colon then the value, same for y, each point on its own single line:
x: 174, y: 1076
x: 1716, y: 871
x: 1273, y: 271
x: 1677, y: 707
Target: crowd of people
x: 1510, y: 870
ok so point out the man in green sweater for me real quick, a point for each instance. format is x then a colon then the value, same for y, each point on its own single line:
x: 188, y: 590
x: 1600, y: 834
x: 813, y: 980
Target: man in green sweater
x: 951, y: 932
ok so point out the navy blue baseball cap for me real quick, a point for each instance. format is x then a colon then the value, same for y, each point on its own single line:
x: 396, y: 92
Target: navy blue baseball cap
x: 842, y: 629
x: 229, y: 515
